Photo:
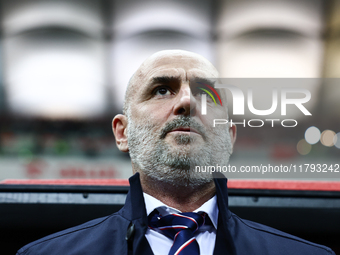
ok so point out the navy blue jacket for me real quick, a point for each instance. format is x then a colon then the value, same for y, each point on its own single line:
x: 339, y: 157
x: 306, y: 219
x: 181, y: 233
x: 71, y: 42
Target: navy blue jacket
x: 124, y: 233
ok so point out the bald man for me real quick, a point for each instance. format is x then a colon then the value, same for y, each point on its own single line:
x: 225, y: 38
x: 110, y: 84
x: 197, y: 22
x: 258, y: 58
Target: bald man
x: 170, y: 208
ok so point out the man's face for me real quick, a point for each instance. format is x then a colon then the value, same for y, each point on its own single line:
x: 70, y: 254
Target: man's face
x: 167, y: 135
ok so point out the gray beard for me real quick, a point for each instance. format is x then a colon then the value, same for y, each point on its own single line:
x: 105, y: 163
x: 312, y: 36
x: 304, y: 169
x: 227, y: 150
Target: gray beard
x: 153, y: 156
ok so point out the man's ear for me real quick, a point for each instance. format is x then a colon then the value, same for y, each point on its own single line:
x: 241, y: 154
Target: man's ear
x: 119, y: 127
x: 232, y: 133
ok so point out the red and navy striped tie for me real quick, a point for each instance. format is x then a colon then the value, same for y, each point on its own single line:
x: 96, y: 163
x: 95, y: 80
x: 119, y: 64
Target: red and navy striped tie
x: 180, y: 228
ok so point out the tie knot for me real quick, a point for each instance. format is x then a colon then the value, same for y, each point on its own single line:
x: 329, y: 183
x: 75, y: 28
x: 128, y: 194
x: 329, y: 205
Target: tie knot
x: 171, y: 224
x: 180, y: 227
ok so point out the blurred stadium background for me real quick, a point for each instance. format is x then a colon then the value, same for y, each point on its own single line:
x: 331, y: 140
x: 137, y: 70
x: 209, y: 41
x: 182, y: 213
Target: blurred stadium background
x: 64, y: 68
x: 65, y: 65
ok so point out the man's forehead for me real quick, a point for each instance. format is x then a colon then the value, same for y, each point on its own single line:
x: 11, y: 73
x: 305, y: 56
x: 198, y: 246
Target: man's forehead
x: 179, y: 73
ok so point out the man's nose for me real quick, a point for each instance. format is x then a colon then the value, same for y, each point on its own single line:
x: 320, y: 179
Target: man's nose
x: 186, y: 102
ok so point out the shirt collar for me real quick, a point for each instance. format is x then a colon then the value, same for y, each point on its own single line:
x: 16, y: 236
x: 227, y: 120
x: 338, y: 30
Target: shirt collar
x: 210, y: 207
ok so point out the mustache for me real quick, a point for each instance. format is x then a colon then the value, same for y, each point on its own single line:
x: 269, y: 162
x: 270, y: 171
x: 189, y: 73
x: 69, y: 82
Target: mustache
x: 183, y: 121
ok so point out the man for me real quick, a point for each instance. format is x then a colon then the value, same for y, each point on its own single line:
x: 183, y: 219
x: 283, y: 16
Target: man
x: 166, y: 135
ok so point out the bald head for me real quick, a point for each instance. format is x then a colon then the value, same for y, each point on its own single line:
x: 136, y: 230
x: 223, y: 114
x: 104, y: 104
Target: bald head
x: 166, y: 59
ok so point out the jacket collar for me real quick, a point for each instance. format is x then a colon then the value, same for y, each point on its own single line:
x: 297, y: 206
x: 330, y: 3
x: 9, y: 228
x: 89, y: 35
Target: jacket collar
x: 134, y: 211
x: 224, y: 242
x: 135, y: 207
x: 222, y: 196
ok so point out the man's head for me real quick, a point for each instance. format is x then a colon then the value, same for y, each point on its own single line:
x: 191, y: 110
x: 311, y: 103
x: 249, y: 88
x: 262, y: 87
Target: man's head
x: 162, y: 126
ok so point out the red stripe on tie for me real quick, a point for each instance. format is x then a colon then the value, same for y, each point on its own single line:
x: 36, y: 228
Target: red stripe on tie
x: 187, y: 217
x: 172, y: 227
x: 184, y: 245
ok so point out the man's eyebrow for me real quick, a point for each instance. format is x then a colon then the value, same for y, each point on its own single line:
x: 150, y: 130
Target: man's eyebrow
x: 198, y: 80
x: 165, y: 79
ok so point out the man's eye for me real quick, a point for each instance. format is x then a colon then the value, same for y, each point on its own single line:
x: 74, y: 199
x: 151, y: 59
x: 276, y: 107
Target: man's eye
x: 201, y: 92
x: 198, y: 92
x: 162, y: 91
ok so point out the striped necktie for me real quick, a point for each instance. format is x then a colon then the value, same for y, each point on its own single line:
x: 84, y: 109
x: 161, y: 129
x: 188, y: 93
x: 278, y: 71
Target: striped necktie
x: 180, y: 228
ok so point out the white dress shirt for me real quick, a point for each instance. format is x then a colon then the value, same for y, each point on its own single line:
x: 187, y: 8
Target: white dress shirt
x: 205, y: 235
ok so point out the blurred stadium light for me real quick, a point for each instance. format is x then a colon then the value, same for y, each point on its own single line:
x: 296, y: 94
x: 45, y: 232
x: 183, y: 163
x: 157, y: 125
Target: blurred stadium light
x: 54, y: 58
x: 271, y: 39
